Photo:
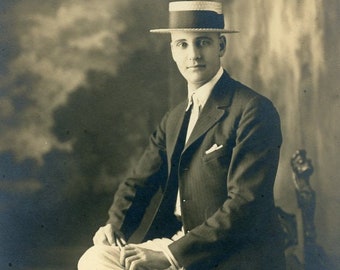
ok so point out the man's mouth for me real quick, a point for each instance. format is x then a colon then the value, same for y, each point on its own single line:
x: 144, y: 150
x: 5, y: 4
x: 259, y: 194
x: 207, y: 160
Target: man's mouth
x: 196, y: 67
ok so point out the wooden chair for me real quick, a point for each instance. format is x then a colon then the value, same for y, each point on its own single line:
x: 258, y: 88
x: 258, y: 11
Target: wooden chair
x: 313, y: 256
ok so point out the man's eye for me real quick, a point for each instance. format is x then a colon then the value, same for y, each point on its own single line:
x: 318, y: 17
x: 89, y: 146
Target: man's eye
x: 181, y: 45
x: 203, y: 43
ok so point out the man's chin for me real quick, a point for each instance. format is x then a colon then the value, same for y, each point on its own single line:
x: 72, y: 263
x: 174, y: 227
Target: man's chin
x: 195, y: 75
x: 196, y: 83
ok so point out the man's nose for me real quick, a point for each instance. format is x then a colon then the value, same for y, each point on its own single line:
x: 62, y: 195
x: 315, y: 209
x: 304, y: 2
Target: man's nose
x: 194, y: 52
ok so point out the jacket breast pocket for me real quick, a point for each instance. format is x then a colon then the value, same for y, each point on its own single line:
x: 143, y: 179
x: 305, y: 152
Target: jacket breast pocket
x: 214, y: 155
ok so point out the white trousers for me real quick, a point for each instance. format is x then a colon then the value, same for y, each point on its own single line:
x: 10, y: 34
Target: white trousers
x: 100, y: 257
x: 103, y: 257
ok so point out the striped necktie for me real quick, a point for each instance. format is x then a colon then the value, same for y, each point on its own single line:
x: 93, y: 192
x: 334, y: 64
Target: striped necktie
x: 195, y: 112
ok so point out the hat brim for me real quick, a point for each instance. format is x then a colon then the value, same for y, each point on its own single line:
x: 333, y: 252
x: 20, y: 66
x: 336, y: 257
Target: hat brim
x: 206, y: 30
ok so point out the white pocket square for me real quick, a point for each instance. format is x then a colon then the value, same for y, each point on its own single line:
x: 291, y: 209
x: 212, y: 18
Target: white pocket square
x: 213, y: 148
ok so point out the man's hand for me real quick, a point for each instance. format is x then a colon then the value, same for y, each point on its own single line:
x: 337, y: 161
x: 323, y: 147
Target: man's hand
x: 104, y: 236
x: 133, y: 257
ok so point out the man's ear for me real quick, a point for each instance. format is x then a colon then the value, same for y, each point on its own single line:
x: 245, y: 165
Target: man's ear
x: 222, y: 44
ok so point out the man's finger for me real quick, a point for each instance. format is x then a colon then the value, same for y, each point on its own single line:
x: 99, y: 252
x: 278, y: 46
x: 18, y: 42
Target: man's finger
x: 122, y: 256
x: 131, y: 247
x: 131, y: 261
x: 125, y: 253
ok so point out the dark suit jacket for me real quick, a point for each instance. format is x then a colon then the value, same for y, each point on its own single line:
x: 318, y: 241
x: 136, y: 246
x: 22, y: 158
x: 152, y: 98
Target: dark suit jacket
x: 227, y: 202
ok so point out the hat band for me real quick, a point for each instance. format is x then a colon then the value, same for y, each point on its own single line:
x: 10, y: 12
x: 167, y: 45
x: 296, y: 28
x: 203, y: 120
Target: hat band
x: 196, y: 19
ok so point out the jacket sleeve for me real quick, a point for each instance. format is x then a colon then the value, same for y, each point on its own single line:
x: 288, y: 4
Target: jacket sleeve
x: 250, y: 181
x: 135, y: 192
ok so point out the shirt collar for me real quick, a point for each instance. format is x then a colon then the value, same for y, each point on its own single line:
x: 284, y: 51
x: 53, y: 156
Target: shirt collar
x: 202, y: 93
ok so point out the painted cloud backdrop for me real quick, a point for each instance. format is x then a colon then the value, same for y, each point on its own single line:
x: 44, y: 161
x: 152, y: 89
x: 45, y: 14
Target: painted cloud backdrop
x: 83, y: 83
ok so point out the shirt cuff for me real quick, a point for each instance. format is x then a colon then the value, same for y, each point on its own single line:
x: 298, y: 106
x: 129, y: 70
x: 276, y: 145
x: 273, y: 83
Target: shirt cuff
x: 163, y: 244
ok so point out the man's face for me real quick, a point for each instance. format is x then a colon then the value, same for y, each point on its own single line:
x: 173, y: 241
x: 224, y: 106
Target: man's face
x: 197, y: 55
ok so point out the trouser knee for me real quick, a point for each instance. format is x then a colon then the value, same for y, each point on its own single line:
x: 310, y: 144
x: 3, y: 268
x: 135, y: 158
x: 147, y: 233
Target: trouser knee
x: 100, y: 258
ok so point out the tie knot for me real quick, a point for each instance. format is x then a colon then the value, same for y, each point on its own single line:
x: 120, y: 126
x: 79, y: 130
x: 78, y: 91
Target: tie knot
x: 194, y: 105
x: 194, y: 102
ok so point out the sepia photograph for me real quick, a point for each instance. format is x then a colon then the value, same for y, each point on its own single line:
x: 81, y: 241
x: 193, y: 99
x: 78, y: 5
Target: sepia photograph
x: 177, y: 135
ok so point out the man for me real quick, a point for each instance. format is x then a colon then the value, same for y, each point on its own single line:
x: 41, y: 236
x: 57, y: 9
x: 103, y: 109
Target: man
x: 209, y: 169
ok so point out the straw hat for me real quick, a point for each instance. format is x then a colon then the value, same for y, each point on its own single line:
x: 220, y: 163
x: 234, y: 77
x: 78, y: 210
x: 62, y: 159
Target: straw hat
x: 195, y: 16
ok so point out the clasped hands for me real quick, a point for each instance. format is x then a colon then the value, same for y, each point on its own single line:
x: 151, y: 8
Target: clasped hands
x: 132, y: 256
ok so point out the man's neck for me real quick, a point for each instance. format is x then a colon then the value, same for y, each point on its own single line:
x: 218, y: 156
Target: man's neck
x: 213, y: 80
x: 202, y: 93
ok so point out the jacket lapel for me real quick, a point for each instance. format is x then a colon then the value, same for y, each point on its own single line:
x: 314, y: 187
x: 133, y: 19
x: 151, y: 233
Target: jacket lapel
x: 215, y: 108
x: 174, y: 127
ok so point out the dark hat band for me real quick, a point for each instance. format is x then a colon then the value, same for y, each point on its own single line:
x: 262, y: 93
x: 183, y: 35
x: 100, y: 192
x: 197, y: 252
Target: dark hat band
x: 196, y: 19
x: 196, y: 16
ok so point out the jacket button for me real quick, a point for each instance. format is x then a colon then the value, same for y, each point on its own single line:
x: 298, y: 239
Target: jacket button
x: 186, y: 169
